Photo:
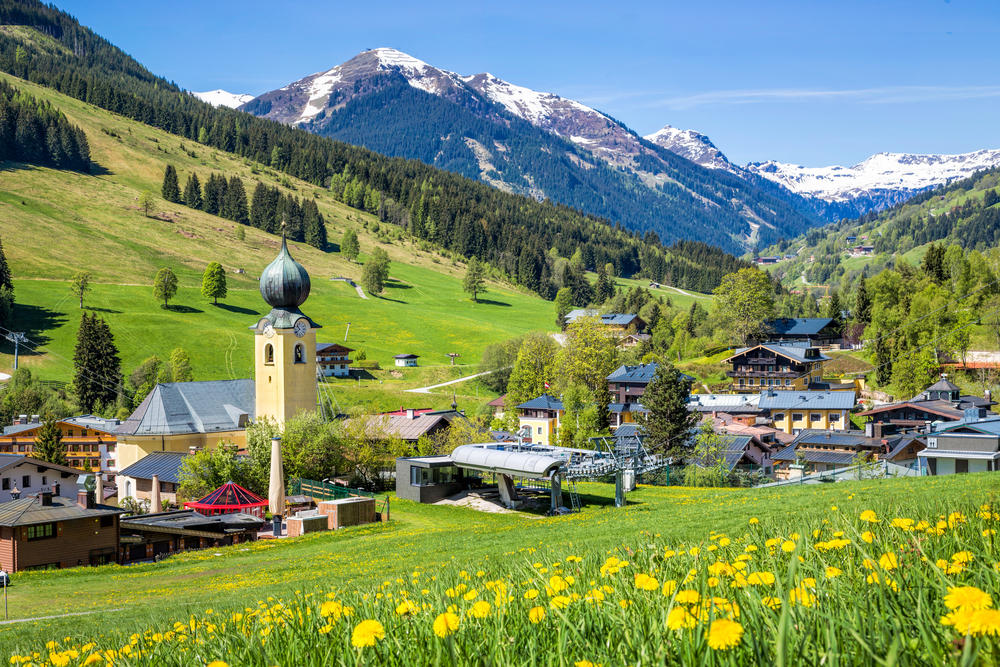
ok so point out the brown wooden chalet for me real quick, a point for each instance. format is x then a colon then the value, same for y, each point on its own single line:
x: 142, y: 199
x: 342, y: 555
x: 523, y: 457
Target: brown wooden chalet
x: 776, y: 366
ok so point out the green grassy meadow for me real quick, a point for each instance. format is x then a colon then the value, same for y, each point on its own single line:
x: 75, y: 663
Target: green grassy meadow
x: 661, y: 533
x: 55, y: 223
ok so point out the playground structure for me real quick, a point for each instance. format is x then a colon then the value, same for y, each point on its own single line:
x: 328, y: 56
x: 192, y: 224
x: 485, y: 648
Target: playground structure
x: 624, y: 457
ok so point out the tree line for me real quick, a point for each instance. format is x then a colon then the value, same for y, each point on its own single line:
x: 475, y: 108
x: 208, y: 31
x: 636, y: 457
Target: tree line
x: 36, y: 133
x: 511, y: 232
x: 270, y: 210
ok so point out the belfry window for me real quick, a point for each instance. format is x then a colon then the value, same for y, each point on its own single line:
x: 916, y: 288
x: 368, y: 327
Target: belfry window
x: 300, y: 353
x: 268, y: 354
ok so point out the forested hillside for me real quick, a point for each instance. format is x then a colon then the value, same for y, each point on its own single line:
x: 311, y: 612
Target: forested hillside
x: 35, y: 133
x: 514, y: 233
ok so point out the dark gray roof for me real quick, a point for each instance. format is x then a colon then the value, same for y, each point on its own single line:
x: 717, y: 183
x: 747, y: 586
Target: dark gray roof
x: 181, y: 520
x: 14, y: 429
x: 797, y: 326
x: 11, y: 460
x: 986, y: 426
x: 407, y: 356
x: 814, y: 436
x: 773, y: 399
x: 642, y: 374
x: 789, y: 350
x: 164, y: 465
x: 943, y: 385
x: 543, y: 402
x: 901, y: 443
x: 814, y: 456
x: 177, y: 408
x: 30, y: 511
x: 85, y: 421
x: 629, y: 431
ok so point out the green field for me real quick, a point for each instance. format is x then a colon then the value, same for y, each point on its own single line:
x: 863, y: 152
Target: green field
x: 54, y: 223
x: 430, y: 548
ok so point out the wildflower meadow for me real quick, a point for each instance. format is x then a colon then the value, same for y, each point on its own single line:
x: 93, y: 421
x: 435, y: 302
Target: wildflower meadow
x: 858, y: 580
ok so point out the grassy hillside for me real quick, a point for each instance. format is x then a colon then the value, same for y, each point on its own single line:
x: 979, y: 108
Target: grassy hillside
x: 54, y: 223
x: 795, y: 608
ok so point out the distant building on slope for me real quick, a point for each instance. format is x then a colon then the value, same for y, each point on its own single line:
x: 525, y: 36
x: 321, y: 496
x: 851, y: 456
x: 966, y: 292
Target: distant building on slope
x: 90, y: 440
x: 332, y: 359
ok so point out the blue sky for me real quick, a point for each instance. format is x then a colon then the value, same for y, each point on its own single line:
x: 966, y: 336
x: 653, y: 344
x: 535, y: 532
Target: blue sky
x: 806, y: 81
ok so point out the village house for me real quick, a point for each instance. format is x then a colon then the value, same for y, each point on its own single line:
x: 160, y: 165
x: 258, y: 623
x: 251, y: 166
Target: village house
x: 89, y: 440
x: 739, y: 453
x: 498, y: 405
x: 136, y: 481
x: 411, y: 424
x: 774, y: 365
x: 797, y: 411
x: 541, y: 417
x: 617, y: 323
x: 807, y: 331
x: 626, y: 385
x: 819, y: 451
x: 941, y: 402
x: 969, y: 445
x: 742, y: 408
x: 406, y: 360
x: 332, y: 360
x: 22, y: 475
x: 46, y: 530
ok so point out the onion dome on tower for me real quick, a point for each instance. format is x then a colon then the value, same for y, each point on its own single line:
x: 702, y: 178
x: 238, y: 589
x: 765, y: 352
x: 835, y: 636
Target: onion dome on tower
x: 285, y: 285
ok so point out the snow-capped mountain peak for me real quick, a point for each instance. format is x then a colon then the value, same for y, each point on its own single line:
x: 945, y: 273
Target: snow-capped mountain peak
x: 222, y: 98
x: 531, y: 105
x: 691, y: 145
x: 905, y: 173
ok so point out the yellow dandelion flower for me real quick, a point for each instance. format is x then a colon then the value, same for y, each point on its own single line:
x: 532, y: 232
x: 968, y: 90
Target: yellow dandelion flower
x: 325, y: 630
x: 967, y: 597
x: 869, y: 516
x: 754, y: 521
x: 669, y: 587
x: 471, y: 595
x: 480, y: 609
x: 406, y: 608
x: 446, y: 624
x: 687, y: 596
x: 559, y: 602
x: 963, y: 557
x: 788, y: 546
x: 888, y: 561
x: 832, y: 572
x: 770, y: 602
x: 868, y: 536
x: 645, y: 582
x: 724, y: 634
x: 760, y: 578
x: 679, y: 619
x: 536, y: 614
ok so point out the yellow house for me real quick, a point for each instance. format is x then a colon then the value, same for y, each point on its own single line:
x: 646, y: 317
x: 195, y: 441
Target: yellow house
x: 796, y: 411
x: 179, y: 416
x: 542, y: 417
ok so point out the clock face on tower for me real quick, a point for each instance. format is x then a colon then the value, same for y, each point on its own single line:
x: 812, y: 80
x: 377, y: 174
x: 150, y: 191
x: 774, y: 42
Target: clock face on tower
x: 301, y: 327
x: 268, y: 330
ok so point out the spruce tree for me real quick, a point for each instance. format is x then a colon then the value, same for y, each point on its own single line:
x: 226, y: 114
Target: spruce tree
x: 213, y: 283
x: 97, y: 375
x: 349, y: 247
x: 314, y: 228
x: 5, y: 277
x: 862, y: 303
x: 669, y: 422
x: 48, y: 443
x: 192, y: 192
x: 234, y: 202
x: 171, y: 190
x: 475, y: 279
x: 6, y: 290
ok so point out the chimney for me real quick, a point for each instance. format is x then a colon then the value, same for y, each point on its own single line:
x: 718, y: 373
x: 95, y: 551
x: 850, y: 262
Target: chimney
x: 85, y: 495
x: 22, y: 419
x: 15, y: 493
x: 55, y: 489
x: 927, y: 426
x: 410, y: 413
x: 36, y: 419
x: 45, y: 496
x: 988, y: 395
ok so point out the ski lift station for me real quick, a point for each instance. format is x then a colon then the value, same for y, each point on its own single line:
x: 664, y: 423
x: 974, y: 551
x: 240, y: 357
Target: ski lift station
x: 519, y: 466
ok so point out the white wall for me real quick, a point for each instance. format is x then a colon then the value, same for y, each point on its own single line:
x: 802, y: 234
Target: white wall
x: 15, y: 477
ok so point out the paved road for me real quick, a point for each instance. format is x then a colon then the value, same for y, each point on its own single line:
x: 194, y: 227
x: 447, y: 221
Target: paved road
x: 357, y: 287
x: 427, y: 390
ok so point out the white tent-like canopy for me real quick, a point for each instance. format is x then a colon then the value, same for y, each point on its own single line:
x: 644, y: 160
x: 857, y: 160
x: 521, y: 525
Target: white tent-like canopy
x: 488, y: 458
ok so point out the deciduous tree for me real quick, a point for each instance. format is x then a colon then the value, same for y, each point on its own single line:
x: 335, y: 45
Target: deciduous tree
x: 213, y: 283
x: 164, y: 285
x: 180, y: 366
x: 474, y: 282
x: 80, y: 285
x: 350, y: 247
x: 745, y: 302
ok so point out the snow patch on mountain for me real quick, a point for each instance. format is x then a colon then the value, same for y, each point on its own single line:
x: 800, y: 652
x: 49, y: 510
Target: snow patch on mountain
x: 691, y: 145
x: 222, y: 98
x: 533, y: 106
x: 884, y: 171
x: 319, y: 93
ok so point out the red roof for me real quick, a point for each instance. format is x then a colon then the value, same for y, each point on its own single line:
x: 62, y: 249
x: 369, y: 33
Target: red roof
x: 228, y: 497
x: 402, y: 412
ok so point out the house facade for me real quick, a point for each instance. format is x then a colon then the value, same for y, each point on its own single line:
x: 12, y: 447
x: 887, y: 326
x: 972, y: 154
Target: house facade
x: 819, y: 451
x: 136, y: 481
x: 541, y: 417
x: 772, y: 365
x: 48, y: 531
x: 333, y: 360
x: 22, y: 476
x: 797, y: 411
x: 970, y: 445
x: 626, y: 385
x: 90, y: 441
x: 406, y: 360
x: 941, y: 402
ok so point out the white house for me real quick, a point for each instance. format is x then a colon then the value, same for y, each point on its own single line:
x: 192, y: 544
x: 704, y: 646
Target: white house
x: 24, y: 476
x: 332, y: 359
x: 406, y: 359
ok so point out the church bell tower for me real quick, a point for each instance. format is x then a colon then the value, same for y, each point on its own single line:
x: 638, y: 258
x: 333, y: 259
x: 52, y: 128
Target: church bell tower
x: 284, y: 342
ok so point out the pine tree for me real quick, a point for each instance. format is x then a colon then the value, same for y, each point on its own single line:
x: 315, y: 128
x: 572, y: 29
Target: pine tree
x: 669, y: 422
x: 213, y: 283
x: 48, y: 443
x: 165, y: 285
x: 5, y: 277
x: 170, y: 190
x: 234, y: 202
x: 97, y: 376
x: 475, y: 279
x: 192, y: 192
x: 314, y: 227
x: 564, y: 304
x: 349, y: 247
x: 605, y: 287
x: 862, y: 303
x: 835, y: 311
x: 6, y: 290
